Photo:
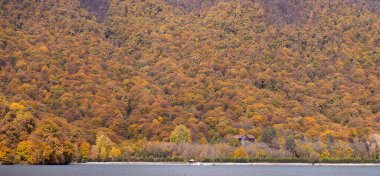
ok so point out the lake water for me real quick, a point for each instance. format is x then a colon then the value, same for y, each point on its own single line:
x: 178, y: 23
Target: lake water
x: 184, y: 170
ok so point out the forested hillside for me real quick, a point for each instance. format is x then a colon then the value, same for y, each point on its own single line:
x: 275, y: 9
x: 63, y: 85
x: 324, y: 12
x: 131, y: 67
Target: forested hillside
x: 112, y: 79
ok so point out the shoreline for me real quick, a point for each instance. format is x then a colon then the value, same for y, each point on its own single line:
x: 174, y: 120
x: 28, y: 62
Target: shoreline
x: 224, y: 164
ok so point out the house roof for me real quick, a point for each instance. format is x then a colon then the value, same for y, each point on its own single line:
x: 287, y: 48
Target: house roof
x: 244, y: 135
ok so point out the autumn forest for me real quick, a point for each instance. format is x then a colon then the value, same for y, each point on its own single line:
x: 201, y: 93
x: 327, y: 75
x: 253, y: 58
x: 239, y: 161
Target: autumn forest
x: 173, y: 80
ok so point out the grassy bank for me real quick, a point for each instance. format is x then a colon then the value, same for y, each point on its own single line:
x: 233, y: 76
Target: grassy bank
x: 243, y: 160
x: 258, y: 160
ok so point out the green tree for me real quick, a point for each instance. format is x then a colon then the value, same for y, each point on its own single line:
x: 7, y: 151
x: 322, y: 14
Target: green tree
x: 180, y: 134
x: 290, y: 144
x: 268, y: 135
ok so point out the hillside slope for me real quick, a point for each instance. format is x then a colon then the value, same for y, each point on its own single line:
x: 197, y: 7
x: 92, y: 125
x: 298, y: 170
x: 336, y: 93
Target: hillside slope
x: 309, y: 69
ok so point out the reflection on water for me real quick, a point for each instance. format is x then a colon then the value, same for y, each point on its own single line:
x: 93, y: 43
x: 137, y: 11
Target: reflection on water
x: 183, y: 170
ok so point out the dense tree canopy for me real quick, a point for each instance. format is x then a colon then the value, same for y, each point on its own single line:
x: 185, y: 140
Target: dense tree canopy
x: 92, y: 80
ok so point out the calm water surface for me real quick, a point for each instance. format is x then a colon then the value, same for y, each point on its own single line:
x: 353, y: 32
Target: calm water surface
x: 182, y: 170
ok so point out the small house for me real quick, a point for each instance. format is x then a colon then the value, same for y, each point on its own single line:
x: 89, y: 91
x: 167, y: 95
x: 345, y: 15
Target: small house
x: 245, y: 138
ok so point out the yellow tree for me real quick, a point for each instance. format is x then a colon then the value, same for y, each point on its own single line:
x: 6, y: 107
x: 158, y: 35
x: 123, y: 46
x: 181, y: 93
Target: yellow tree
x: 47, y: 151
x: 85, y: 149
x: 202, y: 139
x: 104, y: 144
x: 4, y: 154
x: 103, y: 154
x: 27, y: 152
x: 240, y: 153
x: 324, y: 155
x: 115, y: 154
